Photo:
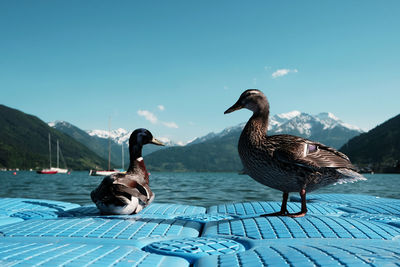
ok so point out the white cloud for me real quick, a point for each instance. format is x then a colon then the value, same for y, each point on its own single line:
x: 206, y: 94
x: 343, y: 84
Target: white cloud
x: 283, y: 72
x: 170, y: 124
x: 161, y: 107
x: 154, y: 120
x: 148, y: 116
x: 226, y: 87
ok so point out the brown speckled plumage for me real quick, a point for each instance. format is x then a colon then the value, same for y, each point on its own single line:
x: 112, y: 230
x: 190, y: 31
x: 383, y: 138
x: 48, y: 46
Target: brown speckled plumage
x: 285, y: 162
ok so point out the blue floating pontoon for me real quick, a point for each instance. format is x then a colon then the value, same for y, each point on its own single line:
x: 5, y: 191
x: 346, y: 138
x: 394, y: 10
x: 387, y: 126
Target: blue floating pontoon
x: 339, y: 229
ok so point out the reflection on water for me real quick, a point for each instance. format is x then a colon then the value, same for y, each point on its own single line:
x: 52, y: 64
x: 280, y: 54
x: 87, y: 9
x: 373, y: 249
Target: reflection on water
x: 203, y: 189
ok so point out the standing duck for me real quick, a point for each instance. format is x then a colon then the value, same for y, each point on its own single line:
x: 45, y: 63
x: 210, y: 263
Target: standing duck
x: 286, y: 162
x: 127, y: 193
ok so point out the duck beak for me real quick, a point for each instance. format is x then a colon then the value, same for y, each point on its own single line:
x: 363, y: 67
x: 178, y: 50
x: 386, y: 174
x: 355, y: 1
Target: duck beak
x: 157, y: 142
x: 235, y: 107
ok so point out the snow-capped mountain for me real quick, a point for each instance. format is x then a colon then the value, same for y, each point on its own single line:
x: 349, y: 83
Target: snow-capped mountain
x: 330, y: 121
x: 218, y: 151
x: 279, y: 119
x: 318, y: 126
x: 59, y: 123
x: 306, y: 125
x: 97, y: 141
x: 121, y: 136
x: 321, y: 127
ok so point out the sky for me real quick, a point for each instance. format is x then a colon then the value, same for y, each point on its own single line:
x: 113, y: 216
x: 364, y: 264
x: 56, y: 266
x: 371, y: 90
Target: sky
x: 174, y: 67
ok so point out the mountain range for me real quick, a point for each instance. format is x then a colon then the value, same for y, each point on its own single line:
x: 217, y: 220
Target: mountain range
x: 98, y: 141
x: 377, y: 150
x: 218, y: 151
x: 323, y: 127
x: 97, y: 144
x: 24, y: 144
x: 121, y: 136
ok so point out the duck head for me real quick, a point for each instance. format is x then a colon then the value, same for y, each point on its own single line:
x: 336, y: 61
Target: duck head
x: 138, y: 139
x: 252, y: 99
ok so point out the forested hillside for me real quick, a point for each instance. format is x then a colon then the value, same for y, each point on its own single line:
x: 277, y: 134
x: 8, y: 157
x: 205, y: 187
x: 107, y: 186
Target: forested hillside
x: 24, y: 144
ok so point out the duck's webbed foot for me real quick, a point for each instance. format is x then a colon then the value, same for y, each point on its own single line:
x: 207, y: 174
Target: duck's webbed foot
x: 297, y: 215
x: 278, y: 213
x: 284, y: 211
x: 303, y: 205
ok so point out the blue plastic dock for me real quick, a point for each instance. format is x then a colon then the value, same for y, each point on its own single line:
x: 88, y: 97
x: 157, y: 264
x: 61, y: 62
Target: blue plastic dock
x: 339, y: 229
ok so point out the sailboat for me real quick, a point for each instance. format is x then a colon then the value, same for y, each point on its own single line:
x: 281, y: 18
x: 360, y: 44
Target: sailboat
x: 58, y: 169
x: 106, y: 172
x: 49, y: 170
x: 109, y: 171
x: 102, y: 172
x: 52, y: 170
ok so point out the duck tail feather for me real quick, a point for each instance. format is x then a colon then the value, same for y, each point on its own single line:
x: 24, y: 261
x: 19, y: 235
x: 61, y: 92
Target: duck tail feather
x: 349, y: 176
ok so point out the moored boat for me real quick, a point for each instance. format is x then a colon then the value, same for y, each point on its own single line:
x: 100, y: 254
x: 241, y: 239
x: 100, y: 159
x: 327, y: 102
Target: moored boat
x: 53, y: 170
x: 102, y: 172
x: 47, y: 171
x: 109, y: 171
x: 59, y: 170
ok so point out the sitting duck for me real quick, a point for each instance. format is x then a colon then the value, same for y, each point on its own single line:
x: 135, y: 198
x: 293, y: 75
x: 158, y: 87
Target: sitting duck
x: 127, y: 193
x: 285, y: 162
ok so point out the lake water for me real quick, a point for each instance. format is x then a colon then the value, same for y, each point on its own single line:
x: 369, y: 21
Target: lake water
x: 203, y: 189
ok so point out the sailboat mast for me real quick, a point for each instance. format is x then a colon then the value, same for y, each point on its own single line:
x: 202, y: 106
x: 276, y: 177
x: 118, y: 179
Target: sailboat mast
x: 109, y: 144
x: 58, y: 151
x: 122, y: 149
x: 50, y: 150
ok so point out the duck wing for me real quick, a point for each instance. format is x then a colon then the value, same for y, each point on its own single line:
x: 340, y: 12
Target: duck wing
x: 137, y: 190
x: 134, y: 185
x: 103, y: 192
x: 306, y: 153
x: 120, y: 188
